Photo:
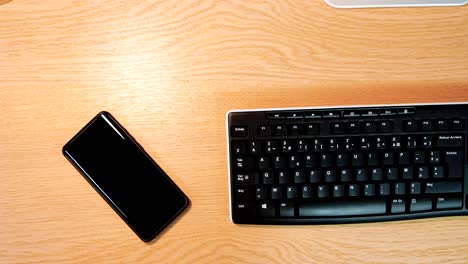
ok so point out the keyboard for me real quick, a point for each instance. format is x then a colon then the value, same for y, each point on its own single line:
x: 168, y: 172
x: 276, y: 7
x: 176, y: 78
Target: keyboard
x: 347, y: 164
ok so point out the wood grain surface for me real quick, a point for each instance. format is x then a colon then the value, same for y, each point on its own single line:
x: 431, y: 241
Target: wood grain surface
x: 169, y: 71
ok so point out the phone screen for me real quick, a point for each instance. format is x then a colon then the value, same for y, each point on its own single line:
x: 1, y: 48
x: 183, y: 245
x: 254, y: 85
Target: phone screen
x: 125, y: 176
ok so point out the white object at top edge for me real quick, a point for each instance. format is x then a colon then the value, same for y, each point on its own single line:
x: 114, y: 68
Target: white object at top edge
x: 393, y: 3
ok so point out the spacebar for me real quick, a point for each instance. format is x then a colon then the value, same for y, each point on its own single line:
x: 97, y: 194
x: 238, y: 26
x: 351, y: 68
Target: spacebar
x: 343, y: 208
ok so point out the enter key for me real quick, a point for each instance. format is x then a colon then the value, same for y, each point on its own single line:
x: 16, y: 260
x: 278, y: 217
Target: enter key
x: 454, y: 161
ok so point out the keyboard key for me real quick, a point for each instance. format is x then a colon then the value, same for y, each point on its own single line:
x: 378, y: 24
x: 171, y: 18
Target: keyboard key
x: 264, y: 131
x: 318, y: 145
x: 280, y: 130
x: 377, y: 174
x: 330, y: 176
x: 245, y: 209
x: 264, y: 163
x: 331, y: 114
x: 427, y: 125
x: 326, y: 160
x: 434, y: 156
x: 388, y: 112
x: 406, y: 111
x: 369, y: 113
x: 279, y: 162
x: 385, y: 126
x: 322, y: 191
x: 239, y: 131
x: 295, y: 130
x: 287, y: 146
x: 422, y: 172
x: 372, y: 159
x: 271, y: 147
x: 267, y: 209
x: 407, y: 173
x: 358, y: 159
x: 438, y: 172
x: 457, y: 124
x: 351, y: 113
x: 294, y: 115
x: 398, y: 206
x: 342, y: 160
x: 338, y: 191
x: 380, y: 143
x: 255, y: 147
x: 403, y: 158
x: 448, y: 203
x: 370, y: 127
x: 307, y: 192
x: 454, y: 162
x: 312, y: 129
x: 311, y: 161
x: 449, y: 141
x: 286, y: 209
x: 295, y: 161
x: 354, y: 190
x: 400, y: 188
x: 442, y: 125
x: 392, y: 174
x: 410, y: 125
x: 444, y: 187
x: 369, y: 189
x: 344, y: 208
x: 334, y: 144
x: 238, y: 148
x: 315, y: 176
x: 275, y: 115
x: 267, y: 177
x: 337, y: 128
x: 246, y: 178
x: 415, y: 188
x: 395, y: 142
x: 419, y: 157
x: 299, y: 177
x: 388, y: 158
x: 426, y: 142
x: 411, y: 142
x: 354, y: 127
x: 312, y: 115
x: 260, y: 193
x: 276, y: 193
x: 283, y: 177
x: 243, y: 163
x: 246, y: 193
x: 361, y: 175
x: 384, y: 189
x: 291, y: 192
x: 420, y: 204
x: 346, y: 175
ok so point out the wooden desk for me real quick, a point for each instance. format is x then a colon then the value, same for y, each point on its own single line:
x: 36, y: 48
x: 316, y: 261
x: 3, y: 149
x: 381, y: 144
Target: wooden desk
x: 169, y: 71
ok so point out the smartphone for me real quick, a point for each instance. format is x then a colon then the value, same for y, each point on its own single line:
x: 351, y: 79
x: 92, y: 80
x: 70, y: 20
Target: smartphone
x: 119, y: 169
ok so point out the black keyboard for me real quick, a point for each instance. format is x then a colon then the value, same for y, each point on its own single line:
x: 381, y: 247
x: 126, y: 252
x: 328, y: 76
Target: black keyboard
x: 347, y: 164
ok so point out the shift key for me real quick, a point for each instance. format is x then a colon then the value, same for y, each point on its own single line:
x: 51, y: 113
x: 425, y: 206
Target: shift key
x: 454, y: 161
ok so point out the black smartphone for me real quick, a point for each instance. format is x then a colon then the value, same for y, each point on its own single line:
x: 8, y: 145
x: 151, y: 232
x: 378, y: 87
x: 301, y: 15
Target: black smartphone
x: 126, y: 177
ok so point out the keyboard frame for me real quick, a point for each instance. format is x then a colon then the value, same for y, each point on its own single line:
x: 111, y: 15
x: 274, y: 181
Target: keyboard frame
x: 347, y: 220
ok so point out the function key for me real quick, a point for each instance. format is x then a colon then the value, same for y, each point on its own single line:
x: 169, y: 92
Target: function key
x: 351, y: 113
x: 280, y: 130
x: 239, y: 131
x: 275, y: 115
x: 426, y: 125
x: 385, y: 126
x: 442, y: 125
x: 410, y: 125
x: 331, y: 114
x: 264, y: 131
x: 294, y: 115
x: 312, y: 115
x: 457, y: 124
x: 370, y: 127
x: 406, y: 111
x: 370, y: 112
x: 295, y: 130
x: 354, y: 127
x: 312, y: 129
x: 337, y: 128
x: 388, y: 112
